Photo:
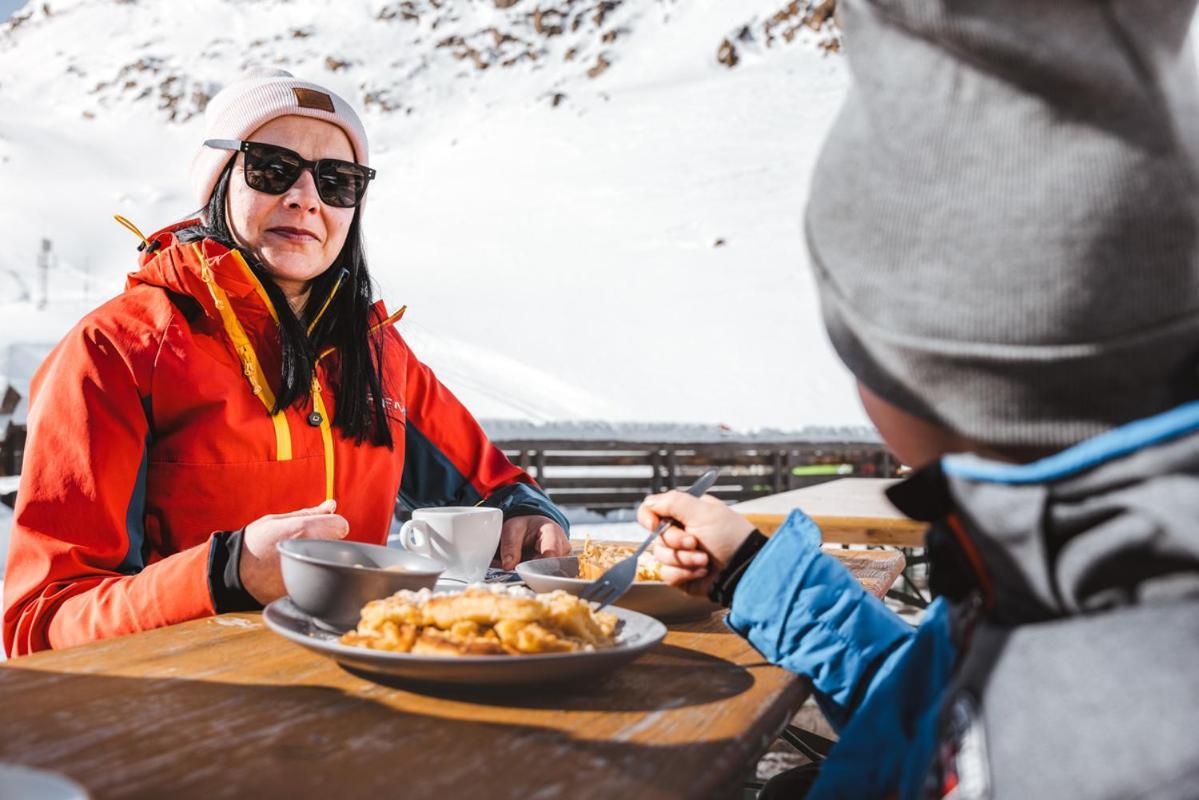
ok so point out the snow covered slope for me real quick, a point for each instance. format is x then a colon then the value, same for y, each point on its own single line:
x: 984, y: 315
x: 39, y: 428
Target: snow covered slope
x: 588, y: 214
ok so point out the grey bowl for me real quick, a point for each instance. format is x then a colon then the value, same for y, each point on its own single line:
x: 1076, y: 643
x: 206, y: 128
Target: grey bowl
x: 654, y: 598
x: 635, y: 635
x: 332, y: 580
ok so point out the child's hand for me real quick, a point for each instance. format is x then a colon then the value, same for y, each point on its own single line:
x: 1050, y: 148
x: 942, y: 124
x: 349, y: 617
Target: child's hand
x: 693, y: 557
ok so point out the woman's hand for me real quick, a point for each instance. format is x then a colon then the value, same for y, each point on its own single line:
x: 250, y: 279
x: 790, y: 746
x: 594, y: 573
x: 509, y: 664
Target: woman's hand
x: 531, y: 537
x: 259, y: 565
x: 694, y: 554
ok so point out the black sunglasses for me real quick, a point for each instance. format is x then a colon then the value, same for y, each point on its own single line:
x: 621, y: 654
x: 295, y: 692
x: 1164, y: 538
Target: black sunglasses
x: 273, y: 170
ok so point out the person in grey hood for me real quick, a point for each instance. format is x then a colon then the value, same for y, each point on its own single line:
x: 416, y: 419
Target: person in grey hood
x: 1004, y: 229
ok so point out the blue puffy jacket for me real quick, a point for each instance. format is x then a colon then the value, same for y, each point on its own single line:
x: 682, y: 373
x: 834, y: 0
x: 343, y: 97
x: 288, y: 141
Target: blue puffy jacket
x: 878, y: 680
x: 1083, y: 573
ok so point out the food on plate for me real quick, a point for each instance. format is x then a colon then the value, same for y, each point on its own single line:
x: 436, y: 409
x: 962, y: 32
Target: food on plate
x: 595, y: 559
x: 482, y: 620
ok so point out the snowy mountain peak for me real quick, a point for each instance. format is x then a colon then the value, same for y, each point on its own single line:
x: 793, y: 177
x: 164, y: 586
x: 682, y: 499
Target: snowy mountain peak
x: 386, y: 56
x: 591, y: 207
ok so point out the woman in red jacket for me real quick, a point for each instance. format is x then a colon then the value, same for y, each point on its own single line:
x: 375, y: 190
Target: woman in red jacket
x: 244, y: 389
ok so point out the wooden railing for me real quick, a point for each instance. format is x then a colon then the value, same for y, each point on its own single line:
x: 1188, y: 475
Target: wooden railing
x: 608, y: 475
x: 604, y: 475
x: 12, y: 449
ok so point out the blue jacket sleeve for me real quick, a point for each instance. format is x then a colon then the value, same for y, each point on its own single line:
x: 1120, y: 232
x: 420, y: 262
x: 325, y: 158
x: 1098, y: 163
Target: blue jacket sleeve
x: 804, y: 611
x: 887, y: 747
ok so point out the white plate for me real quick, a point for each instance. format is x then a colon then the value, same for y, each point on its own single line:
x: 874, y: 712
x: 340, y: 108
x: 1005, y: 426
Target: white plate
x: 654, y: 598
x: 19, y: 782
x: 636, y: 634
x: 449, y: 585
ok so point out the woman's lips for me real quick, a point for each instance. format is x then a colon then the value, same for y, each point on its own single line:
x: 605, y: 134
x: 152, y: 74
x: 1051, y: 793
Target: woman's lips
x: 294, y: 234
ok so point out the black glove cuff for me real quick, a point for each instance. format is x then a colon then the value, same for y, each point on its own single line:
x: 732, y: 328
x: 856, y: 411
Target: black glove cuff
x: 726, y: 583
x: 224, y: 575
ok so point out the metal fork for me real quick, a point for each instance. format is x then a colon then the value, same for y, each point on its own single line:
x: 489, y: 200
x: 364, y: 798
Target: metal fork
x: 617, y: 579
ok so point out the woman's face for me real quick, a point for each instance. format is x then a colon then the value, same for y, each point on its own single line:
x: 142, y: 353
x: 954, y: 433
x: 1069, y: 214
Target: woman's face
x: 294, y: 235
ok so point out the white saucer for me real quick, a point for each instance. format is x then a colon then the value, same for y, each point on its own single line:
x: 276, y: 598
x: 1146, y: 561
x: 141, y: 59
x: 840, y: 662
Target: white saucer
x: 449, y: 585
x: 19, y: 782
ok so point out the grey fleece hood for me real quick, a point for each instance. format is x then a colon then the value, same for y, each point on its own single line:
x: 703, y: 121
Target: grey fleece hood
x: 1113, y: 521
x: 1074, y: 589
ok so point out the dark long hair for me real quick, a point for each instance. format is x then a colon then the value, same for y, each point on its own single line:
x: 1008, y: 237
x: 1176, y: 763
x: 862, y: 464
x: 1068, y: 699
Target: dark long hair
x: 345, y: 326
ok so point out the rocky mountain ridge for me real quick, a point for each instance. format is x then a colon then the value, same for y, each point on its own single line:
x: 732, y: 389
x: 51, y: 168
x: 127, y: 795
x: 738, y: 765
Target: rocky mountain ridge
x: 391, y: 57
x: 550, y: 170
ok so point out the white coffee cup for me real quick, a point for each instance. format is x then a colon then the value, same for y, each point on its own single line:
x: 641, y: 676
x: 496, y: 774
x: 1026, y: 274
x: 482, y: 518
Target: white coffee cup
x: 463, y: 538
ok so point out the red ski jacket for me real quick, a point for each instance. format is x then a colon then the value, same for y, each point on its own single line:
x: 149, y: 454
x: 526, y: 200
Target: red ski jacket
x: 150, y: 430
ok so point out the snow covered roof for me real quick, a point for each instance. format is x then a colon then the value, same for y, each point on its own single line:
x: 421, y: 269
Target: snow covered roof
x: 668, y: 433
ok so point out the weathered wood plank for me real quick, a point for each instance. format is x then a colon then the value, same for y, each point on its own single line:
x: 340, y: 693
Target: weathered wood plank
x: 221, y: 707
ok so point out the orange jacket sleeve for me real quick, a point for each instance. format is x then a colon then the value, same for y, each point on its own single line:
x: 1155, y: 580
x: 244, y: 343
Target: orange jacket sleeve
x: 76, y: 570
x: 448, y: 459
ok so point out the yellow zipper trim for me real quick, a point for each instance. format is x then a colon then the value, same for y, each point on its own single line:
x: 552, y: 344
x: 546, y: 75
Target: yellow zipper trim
x: 328, y: 300
x: 249, y: 359
x: 394, y: 318
x: 257, y: 284
x: 318, y: 403
x: 251, y: 367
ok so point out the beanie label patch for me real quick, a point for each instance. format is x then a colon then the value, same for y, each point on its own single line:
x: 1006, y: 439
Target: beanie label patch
x: 310, y: 98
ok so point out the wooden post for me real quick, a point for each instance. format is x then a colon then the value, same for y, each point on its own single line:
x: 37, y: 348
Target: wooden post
x: 6, y: 460
x: 540, y: 462
x: 43, y: 264
x: 672, y: 470
x: 16, y: 447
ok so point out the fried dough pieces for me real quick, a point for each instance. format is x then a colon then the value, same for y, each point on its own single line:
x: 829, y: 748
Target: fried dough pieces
x: 482, y: 621
x: 595, y: 559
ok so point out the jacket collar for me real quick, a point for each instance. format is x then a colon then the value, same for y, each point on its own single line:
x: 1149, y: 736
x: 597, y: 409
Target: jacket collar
x: 1111, y: 521
x: 180, y: 268
x: 185, y: 268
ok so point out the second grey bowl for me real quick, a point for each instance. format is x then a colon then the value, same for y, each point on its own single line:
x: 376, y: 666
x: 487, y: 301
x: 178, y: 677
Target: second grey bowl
x: 646, y: 597
x: 332, y: 580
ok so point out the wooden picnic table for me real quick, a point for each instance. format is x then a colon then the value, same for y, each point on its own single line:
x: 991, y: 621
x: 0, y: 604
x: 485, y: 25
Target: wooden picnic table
x: 222, y: 707
x: 848, y: 511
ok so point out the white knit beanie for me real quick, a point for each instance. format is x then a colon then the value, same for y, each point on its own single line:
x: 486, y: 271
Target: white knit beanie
x: 246, y: 105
